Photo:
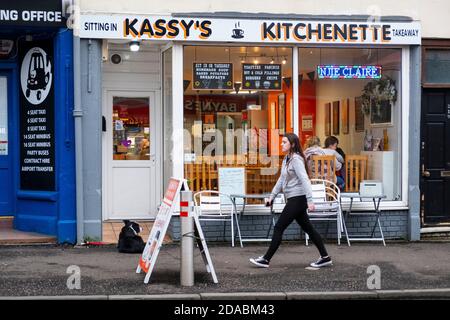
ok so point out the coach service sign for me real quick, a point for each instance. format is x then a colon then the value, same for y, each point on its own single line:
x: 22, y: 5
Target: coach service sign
x: 37, y: 132
x: 245, y: 30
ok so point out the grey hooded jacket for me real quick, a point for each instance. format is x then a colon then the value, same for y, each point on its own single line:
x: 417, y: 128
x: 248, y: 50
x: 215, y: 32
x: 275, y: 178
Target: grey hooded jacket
x: 293, y: 180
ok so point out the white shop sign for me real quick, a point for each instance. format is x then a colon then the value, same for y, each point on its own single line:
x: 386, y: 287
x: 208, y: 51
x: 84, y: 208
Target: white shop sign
x: 142, y: 27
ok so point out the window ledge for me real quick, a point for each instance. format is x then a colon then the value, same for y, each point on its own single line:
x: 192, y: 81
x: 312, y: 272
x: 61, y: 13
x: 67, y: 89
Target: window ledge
x: 366, y: 206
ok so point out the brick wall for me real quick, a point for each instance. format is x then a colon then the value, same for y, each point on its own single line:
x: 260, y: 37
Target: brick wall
x: 394, y: 223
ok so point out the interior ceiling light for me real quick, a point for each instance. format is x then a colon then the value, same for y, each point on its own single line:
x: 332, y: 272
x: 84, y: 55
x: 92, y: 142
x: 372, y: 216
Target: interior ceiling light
x: 284, y: 61
x: 134, y: 46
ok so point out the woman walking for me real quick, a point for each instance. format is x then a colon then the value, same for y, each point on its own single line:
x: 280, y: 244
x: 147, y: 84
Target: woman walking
x: 295, y: 184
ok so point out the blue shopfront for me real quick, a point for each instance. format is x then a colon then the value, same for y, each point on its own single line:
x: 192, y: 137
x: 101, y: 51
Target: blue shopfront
x: 37, y: 161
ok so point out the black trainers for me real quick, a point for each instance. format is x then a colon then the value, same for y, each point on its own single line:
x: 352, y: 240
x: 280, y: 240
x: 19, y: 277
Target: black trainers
x: 322, y: 262
x: 260, y: 262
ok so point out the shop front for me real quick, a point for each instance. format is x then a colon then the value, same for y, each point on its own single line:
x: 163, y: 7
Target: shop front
x: 212, y: 92
x: 435, y: 136
x: 36, y: 132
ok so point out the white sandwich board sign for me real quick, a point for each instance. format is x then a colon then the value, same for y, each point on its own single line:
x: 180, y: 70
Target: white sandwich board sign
x: 155, y: 240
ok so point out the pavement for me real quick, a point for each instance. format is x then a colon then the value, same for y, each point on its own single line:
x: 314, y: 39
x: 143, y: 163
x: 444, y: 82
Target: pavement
x: 406, y: 269
x: 9, y: 235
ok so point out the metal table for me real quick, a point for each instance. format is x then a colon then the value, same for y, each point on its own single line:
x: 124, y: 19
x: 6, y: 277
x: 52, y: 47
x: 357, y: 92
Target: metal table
x: 242, y: 212
x: 377, y: 212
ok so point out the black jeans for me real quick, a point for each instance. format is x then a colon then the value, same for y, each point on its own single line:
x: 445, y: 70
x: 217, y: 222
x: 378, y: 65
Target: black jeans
x: 295, y: 209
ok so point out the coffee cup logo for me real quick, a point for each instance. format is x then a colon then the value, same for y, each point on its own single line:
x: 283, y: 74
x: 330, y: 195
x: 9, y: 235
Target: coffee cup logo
x: 238, y: 33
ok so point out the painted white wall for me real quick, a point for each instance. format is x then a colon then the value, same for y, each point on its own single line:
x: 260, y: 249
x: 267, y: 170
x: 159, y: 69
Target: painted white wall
x: 137, y: 71
x: 433, y: 14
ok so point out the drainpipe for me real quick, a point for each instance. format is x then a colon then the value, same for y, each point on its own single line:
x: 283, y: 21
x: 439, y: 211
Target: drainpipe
x: 78, y: 114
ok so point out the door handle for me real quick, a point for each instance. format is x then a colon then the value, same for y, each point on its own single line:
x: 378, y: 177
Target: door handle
x: 426, y: 174
x: 445, y: 173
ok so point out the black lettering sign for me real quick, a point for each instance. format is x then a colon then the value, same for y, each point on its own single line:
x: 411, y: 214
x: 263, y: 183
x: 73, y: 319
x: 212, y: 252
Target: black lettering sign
x: 267, y: 30
x: 33, y: 13
x: 261, y: 76
x: 37, y: 141
x: 213, y: 76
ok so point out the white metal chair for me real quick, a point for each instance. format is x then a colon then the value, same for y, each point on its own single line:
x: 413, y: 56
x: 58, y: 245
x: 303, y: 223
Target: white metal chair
x: 327, y: 200
x: 210, y: 206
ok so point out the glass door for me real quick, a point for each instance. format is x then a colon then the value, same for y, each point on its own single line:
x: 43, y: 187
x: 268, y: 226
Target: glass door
x: 6, y: 184
x: 131, y: 156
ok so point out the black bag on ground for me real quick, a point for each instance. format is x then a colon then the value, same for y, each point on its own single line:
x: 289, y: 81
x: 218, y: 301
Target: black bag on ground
x: 129, y: 239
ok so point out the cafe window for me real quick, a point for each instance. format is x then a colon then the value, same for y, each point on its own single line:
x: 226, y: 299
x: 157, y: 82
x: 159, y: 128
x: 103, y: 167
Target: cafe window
x: 131, y: 130
x: 237, y: 106
x: 354, y: 95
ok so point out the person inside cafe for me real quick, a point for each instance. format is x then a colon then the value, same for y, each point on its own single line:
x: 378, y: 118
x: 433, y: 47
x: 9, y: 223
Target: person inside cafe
x: 341, y: 173
x: 331, y: 145
x: 312, y: 148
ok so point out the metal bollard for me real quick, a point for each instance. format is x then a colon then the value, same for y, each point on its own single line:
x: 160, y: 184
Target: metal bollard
x: 187, y: 239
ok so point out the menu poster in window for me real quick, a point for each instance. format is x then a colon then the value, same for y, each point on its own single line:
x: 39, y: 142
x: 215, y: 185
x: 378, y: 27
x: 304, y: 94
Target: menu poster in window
x: 232, y: 181
x: 213, y: 76
x: 336, y: 117
x: 37, y: 124
x: 261, y: 76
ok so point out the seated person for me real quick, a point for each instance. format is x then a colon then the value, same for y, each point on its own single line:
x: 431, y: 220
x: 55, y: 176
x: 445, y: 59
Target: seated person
x: 312, y: 148
x: 331, y: 144
x: 341, y: 173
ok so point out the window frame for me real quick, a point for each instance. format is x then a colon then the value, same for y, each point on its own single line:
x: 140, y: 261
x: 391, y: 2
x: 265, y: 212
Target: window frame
x: 428, y: 45
x: 402, y: 204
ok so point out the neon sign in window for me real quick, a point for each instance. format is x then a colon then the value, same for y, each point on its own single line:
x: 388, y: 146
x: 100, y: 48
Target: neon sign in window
x: 348, y: 72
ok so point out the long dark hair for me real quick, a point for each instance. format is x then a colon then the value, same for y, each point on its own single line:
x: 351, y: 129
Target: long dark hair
x: 296, y: 147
